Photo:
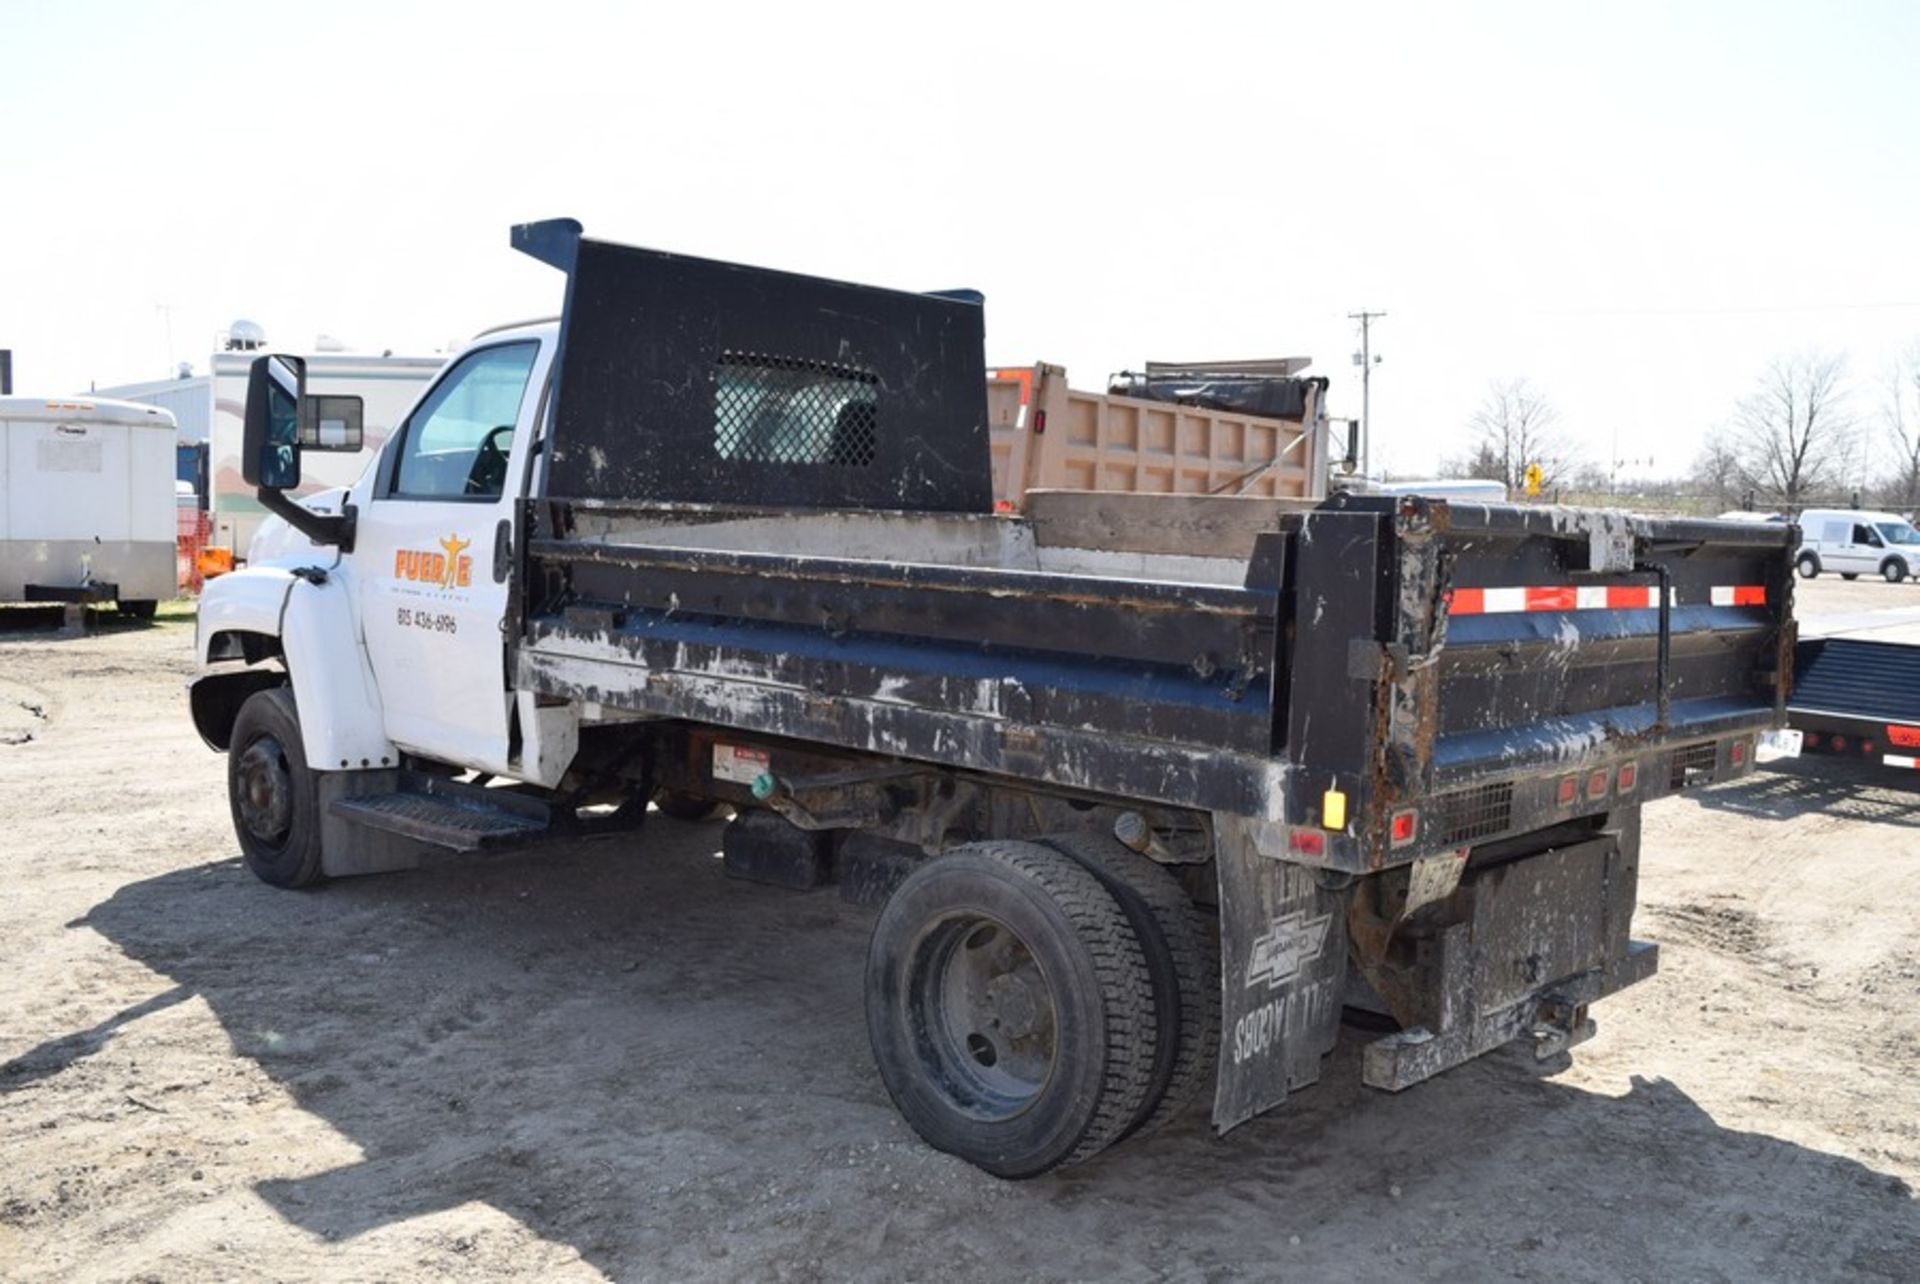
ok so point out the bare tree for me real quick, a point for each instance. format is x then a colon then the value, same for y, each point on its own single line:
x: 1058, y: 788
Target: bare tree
x: 1792, y: 434
x: 1515, y: 426
x: 1717, y: 471
x: 1902, y: 415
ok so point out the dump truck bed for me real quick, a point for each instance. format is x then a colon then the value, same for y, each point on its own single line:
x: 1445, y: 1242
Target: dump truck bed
x: 1236, y: 655
x: 1047, y: 434
x: 806, y: 547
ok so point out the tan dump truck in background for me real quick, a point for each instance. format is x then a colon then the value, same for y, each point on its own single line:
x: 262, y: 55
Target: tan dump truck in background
x: 1177, y: 436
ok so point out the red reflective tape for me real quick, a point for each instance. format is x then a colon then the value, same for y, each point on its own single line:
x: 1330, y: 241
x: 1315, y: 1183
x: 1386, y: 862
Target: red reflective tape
x: 1627, y: 597
x: 1749, y: 595
x: 1468, y: 601
x: 1553, y: 598
x: 1568, y: 597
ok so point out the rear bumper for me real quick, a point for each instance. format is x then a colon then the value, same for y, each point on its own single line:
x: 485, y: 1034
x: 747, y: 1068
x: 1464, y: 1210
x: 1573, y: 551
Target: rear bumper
x: 1555, y: 1018
x: 1518, y: 949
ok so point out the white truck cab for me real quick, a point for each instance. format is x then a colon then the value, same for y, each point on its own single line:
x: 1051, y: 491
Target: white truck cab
x: 1853, y: 542
x: 395, y: 631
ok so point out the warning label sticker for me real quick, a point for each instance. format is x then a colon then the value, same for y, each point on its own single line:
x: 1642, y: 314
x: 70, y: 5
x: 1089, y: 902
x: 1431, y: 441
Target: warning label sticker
x: 741, y: 765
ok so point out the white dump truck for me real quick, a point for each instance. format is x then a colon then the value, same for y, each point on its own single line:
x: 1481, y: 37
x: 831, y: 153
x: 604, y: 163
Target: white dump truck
x: 86, y: 502
x: 1152, y: 787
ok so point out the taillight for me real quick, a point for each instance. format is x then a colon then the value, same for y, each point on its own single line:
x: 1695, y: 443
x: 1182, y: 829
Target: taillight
x: 1838, y: 744
x: 1403, y: 827
x: 1628, y: 778
x: 1569, y: 790
x: 1738, y: 752
x: 1596, y: 786
x: 1866, y: 746
x: 1812, y: 739
x: 1308, y: 842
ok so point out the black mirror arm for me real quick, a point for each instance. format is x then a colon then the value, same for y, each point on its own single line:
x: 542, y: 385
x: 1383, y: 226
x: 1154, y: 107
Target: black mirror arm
x: 321, y: 528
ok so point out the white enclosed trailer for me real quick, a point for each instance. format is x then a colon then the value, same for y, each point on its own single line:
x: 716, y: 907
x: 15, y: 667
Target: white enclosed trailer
x: 86, y: 502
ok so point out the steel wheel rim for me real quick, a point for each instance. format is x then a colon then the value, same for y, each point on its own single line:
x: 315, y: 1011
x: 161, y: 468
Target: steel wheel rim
x: 263, y: 791
x: 986, y: 1026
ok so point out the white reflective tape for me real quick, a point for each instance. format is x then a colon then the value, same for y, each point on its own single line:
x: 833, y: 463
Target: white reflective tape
x: 1721, y: 595
x: 1590, y: 597
x: 1900, y: 760
x: 1505, y: 599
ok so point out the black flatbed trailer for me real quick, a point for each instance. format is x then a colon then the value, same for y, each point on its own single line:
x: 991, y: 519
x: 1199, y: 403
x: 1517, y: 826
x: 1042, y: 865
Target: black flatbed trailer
x: 1857, y: 688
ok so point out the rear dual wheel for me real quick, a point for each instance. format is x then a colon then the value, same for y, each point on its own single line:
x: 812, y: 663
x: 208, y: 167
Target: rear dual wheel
x: 1010, y: 1008
x: 1028, y: 1006
x: 1183, y: 963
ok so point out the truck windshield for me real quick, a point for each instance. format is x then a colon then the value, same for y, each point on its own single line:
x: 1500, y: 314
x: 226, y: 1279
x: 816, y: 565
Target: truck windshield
x: 1898, y: 533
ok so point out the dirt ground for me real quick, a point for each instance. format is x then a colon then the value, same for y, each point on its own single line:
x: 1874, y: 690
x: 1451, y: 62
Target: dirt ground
x: 610, y: 1061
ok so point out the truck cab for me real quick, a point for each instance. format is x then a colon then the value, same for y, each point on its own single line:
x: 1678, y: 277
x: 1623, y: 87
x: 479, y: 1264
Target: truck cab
x: 423, y: 581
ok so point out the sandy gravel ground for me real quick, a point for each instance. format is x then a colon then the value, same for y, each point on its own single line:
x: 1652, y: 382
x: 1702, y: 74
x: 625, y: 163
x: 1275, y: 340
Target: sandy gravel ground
x: 610, y: 1061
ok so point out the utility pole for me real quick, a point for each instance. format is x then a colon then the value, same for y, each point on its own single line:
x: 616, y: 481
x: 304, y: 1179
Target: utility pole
x: 1366, y: 360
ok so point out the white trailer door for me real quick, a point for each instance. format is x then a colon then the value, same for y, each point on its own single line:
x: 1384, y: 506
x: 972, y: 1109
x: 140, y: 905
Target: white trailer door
x: 432, y: 607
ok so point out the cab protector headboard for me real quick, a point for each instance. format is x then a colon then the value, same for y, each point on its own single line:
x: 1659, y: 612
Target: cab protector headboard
x: 690, y: 380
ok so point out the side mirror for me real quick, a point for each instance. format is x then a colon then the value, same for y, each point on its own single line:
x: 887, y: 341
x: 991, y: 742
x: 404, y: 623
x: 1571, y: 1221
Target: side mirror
x: 271, y: 440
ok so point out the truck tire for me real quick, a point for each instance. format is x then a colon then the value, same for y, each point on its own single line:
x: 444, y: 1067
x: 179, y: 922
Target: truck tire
x: 1808, y: 566
x: 1893, y: 570
x: 272, y: 792
x: 139, y: 609
x: 1183, y: 962
x: 1010, y: 1008
x: 683, y: 806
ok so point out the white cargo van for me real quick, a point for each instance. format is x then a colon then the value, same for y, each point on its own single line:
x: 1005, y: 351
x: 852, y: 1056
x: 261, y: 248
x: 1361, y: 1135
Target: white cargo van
x: 1853, y: 541
x: 86, y: 502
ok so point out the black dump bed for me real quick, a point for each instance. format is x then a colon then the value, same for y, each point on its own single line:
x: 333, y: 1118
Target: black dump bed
x: 1498, y: 656
x: 709, y: 548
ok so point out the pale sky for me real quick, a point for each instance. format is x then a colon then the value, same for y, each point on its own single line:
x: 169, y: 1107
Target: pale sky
x: 1633, y: 206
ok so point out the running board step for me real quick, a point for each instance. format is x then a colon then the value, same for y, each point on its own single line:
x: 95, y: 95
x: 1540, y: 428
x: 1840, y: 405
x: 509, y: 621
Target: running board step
x: 449, y: 813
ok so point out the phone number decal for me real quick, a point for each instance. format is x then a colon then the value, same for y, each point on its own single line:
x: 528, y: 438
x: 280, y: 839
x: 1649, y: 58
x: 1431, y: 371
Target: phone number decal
x: 407, y: 618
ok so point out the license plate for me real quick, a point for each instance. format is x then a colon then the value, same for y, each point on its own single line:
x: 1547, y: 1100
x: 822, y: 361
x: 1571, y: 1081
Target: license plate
x: 1775, y: 745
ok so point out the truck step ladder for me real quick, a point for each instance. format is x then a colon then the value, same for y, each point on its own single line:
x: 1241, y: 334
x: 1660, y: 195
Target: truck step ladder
x: 451, y: 814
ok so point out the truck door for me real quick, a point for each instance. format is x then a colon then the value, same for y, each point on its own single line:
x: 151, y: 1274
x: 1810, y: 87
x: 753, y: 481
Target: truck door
x: 431, y: 604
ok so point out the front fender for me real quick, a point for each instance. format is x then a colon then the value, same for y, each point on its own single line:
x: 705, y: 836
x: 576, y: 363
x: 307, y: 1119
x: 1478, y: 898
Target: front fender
x: 342, y: 723
x: 245, y: 601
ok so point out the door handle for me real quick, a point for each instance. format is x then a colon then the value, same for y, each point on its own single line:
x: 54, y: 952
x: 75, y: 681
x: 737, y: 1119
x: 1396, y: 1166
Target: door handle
x: 502, y: 550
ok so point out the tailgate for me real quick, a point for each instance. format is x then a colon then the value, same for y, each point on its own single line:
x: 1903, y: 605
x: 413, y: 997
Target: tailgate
x: 1531, y: 665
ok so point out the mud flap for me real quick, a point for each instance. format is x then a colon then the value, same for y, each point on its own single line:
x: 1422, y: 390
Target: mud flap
x: 1283, y: 959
